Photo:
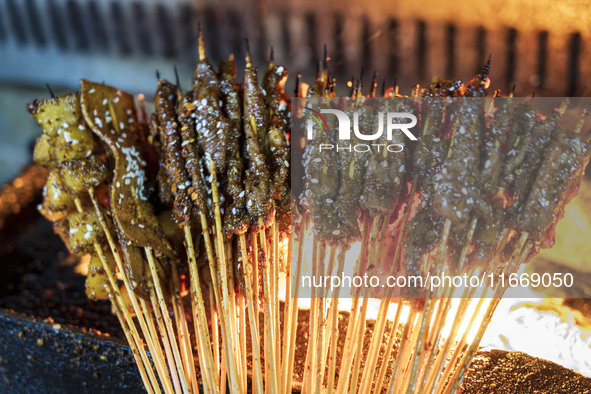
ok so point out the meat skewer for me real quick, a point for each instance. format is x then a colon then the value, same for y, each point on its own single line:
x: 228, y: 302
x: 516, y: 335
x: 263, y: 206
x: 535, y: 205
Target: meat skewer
x: 212, y: 130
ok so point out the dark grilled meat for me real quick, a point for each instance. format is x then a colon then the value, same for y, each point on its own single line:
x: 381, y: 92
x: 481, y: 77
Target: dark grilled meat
x: 432, y: 146
x: 166, y: 105
x: 277, y: 149
x: 533, y: 149
x: 496, y: 137
x: 352, y: 165
x: 257, y: 181
x: 236, y: 215
x: 163, y: 183
x: 557, y: 181
x: 211, y: 124
x: 189, y: 151
x: 322, y: 171
x: 118, y: 126
x: 385, y: 170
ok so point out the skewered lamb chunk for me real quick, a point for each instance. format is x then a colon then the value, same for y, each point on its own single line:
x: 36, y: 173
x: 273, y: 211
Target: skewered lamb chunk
x: 533, y: 148
x: 322, y: 171
x: 257, y: 181
x: 352, y: 166
x: 236, y: 215
x: 277, y: 150
x: 385, y: 171
x: 557, y: 181
x: 166, y: 104
x: 458, y: 188
x: 110, y: 113
x: 211, y: 124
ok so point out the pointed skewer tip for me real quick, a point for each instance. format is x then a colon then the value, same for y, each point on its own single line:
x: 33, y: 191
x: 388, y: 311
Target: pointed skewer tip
x: 50, y: 90
x: 177, y: 79
x: 248, y: 58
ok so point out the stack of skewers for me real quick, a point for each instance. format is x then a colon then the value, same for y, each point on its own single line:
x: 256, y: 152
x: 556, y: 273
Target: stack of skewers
x: 187, y: 215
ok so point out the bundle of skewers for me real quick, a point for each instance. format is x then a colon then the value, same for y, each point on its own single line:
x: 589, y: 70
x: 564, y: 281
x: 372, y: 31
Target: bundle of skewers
x: 186, y: 214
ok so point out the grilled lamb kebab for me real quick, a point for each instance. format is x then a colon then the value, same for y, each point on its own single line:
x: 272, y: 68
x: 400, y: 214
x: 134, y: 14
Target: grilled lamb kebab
x: 352, y: 165
x: 532, y: 148
x: 278, y: 118
x: 457, y: 187
x: 322, y: 171
x: 111, y: 115
x: 385, y: 173
x: 557, y: 180
x: 236, y: 215
x: 487, y: 232
x: 257, y: 180
x: 424, y: 229
x: 166, y: 105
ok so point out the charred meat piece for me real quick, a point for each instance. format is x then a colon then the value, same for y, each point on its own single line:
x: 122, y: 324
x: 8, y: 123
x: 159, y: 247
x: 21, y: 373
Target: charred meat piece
x: 424, y: 233
x: 110, y: 113
x: 385, y: 170
x: 235, y: 215
x: 534, y: 148
x: 352, y: 174
x: 520, y: 134
x: 457, y: 188
x: 277, y: 149
x: 166, y: 105
x: 556, y: 182
x: 189, y: 151
x: 321, y: 168
x: 211, y: 124
x: 486, y: 237
x: 496, y: 137
x: 163, y: 183
x: 257, y: 180
x: 432, y: 146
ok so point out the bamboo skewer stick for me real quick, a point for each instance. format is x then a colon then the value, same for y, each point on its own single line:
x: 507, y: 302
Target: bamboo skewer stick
x: 351, y: 339
x: 319, y: 325
x: 256, y: 358
x: 167, y: 321
x: 163, y: 372
x: 328, y: 330
x: 149, y: 340
x: 524, y: 248
x: 215, y: 331
x: 151, y: 386
x: 275, y: 288
x: 390, y: 345
x: 234, y: 319
x: 402, y: 352
x: 128, y: 327
x: 288, y: 305
x: 334, y: 312
x: 359, y: 343
x: 287, y: 366
x: 374, y: 347
x: 183, y: 333
x: 348, y: 351
x: 228, y: 335
x: 273, y: 383
x: 165, y: 342
x: 243, y: 317
x: 201, y: 331
x: 433, y: 376
x: 307, y: 379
